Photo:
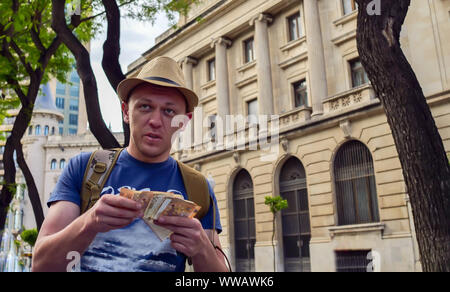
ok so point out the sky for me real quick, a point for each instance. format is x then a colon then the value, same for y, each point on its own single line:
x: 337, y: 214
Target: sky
x: 135, y: 39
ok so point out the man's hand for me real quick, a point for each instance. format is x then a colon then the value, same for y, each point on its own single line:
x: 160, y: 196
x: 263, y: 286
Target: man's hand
x: 112, y: 212
x: 192, y: 240
x: 188, y: 236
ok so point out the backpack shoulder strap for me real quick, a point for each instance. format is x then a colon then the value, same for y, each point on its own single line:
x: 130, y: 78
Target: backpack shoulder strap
x: 96, y: 174
x: 196, y: 188
x: 198, y: 191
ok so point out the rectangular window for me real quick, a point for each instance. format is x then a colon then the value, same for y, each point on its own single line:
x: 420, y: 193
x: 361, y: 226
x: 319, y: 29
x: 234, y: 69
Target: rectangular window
x: 60, y: 88
x: 294, y: 23
x: 73, y: 119
x: 249, y: 54
x: 74, y: 77
x: 359, y: 75
x: 61, y: 131
x: 212, y: 127
x: 349, y: 6
x: 352, y: 261
x: 72, y: 131
x: 74, y: 105
x: 212, y: 69
x: 252, y: 110
x: 75, y: 90
x: 60, y: 102
x: 300, y: 93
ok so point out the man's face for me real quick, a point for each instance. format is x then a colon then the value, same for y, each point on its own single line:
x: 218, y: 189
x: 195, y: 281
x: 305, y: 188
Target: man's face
x: 149, y: 112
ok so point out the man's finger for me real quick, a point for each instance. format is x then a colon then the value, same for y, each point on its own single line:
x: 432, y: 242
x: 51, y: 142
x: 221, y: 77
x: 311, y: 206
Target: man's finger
x: 179, y: 221
x: 112, y: 211
x: 121, y: 202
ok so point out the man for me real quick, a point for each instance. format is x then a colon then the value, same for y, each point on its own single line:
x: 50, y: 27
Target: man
x: 111, y: 236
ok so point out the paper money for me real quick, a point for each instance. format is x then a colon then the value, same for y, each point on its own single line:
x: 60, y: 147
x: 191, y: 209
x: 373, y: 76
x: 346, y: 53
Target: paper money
x: 157, y: 204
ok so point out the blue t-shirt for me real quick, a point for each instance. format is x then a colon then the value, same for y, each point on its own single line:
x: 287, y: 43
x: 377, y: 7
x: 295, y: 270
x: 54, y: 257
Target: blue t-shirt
x: 135, y: 247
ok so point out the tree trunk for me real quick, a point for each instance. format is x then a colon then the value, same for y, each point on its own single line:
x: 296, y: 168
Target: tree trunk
x: 111, y: 52
x: 14, y: 143
x: 33, y: 192
x: 419, y: 145
x: 84, y: 69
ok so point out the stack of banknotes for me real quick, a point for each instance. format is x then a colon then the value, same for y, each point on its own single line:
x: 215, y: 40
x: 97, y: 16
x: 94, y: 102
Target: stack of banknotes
x: 157, y: 204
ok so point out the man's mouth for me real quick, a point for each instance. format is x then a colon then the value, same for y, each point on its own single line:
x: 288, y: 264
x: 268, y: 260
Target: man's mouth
x: 153, y: 137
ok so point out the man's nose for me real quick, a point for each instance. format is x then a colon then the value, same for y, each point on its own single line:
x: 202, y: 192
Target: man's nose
x: 156, y: 119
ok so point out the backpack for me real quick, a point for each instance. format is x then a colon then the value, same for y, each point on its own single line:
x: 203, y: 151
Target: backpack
x: 101, y: 164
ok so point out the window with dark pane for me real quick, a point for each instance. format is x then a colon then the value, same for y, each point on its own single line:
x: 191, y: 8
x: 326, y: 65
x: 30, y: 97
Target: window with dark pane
x: 295, y: 219
x: 212, y: 69
x: 249, y: 54
x: 244, y: 222
x: 212, y: 127
x: 60, y: 102
x: 349, y: 6
x: 300, y: 93
x: 356, y: 196
x: 359, y: 75
x: 294, y: 23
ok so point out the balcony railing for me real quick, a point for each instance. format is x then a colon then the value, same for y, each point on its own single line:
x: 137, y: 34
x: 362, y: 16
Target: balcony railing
x: 349, y: 99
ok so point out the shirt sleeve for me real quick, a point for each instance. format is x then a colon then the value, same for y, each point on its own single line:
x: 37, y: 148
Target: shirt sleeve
x: 207, y: 221
x: 68, y: 187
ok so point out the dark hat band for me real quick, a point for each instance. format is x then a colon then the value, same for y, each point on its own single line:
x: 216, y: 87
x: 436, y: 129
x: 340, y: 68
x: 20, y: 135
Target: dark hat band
x: 161, y: 79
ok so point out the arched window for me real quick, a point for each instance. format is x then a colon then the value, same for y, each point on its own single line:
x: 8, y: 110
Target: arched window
x: 30, y: 130
x: 37, y: 130
x: 295, y: 219
x: 244, y: 222
x: 46, y: 129
x: 62, y: 164
x: 356, y: 195
x: 53, y: 131
x: 53, y: 164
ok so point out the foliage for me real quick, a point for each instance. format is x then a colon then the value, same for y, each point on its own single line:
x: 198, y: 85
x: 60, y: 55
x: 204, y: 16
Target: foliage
x: 276, y: 204
x: 24, y: 34
x: 29, y: 236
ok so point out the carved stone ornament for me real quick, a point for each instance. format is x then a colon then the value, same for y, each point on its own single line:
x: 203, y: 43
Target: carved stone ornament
x: 346, y: 128
x: 285, y: 144
x: 334, y: 105
x: 236, y: 157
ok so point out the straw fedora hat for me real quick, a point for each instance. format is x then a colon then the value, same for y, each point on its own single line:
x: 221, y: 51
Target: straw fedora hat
x: 162, y: 71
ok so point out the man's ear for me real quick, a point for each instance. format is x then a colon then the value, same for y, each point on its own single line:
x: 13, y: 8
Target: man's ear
x: 125, y: 113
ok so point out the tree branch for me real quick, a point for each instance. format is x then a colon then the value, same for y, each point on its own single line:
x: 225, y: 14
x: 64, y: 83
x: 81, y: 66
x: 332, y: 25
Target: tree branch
x: 20, y: 53
x: 103, y: 12
x: 84, y: 68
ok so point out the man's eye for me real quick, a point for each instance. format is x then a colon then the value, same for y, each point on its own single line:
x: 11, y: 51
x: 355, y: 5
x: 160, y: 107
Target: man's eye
x: 145, y: 107
x: 170, y: 111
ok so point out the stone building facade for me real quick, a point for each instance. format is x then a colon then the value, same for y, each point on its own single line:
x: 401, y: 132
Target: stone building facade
x: 332, y: 154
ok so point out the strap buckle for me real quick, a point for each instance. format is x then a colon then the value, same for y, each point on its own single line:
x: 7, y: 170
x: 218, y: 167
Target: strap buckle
x: 100, y: 167
x: 92, y: 186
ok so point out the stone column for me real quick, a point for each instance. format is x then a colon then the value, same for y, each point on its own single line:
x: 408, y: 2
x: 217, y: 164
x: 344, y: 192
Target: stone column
x: 222, y: 85
x: 316, y: 56
x: 263, y: 66
x: 189, y: 133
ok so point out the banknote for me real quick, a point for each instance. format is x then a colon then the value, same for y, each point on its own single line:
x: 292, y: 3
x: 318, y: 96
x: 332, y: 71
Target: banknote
x: 157, y: 204
x: 143, y: 197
